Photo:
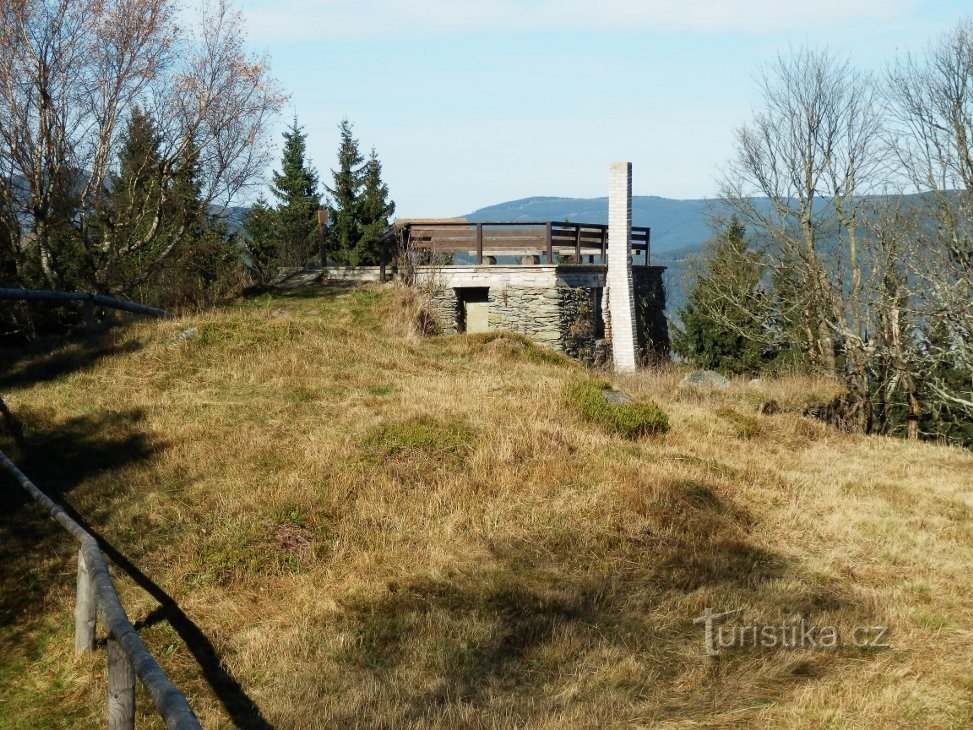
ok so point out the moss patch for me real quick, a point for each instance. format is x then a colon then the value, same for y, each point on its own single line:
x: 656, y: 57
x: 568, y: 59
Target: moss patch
x: 420, y: 436
x: 630, y: 420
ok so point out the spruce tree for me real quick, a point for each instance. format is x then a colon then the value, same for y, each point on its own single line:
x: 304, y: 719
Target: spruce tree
x: 263, y: 243
x: 724, y: 321
x: 298, y: 200
x: 132, y: 205
x: 376, y: 209
x: 191, y: 255
x: 344, y: 212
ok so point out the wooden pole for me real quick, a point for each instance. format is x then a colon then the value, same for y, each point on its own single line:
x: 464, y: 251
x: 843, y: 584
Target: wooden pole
x: 121, y: 688
x: 89, y: 316
x: 479, y: 244
x: 322, y: 236
x: 85, y: 609
x: 577, y: 244
x: 550, y: 243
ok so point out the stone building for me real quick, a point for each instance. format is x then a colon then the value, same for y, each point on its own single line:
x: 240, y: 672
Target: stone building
x: 558, y: 303
x: 558, y: 306
x: 489, y: 276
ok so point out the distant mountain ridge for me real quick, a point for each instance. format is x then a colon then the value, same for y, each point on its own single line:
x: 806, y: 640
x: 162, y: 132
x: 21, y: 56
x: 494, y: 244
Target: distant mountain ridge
x: 679, y: 227
x: 676, y: 224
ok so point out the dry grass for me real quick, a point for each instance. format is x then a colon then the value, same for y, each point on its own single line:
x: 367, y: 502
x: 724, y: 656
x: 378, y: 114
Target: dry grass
x: 377, y: 529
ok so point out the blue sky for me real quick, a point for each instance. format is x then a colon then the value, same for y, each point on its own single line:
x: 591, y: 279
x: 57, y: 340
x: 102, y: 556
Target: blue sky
x: 475, y: 102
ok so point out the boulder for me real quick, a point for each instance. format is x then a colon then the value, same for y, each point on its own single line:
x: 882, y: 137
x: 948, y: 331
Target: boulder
x: 187, y: 334
x: 705, y: 379
x: 615, y: 396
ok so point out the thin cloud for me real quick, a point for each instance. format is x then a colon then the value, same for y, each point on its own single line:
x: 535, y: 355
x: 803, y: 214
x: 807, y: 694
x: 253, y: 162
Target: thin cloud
x: 308, y: 20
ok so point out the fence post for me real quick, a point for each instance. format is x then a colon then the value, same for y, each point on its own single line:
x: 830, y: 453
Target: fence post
x: 550, y: 243
x: 121, y: 688
x: 85, y: 609
x: 89, y: 315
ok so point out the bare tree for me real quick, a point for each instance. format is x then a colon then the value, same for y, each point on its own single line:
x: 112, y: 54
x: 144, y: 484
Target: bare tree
x: 932, y: 104
x: 71, y: 73
x: 799, y: 181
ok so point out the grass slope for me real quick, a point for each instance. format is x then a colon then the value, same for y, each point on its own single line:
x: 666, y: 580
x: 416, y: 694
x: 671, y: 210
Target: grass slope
x: 318, y: 519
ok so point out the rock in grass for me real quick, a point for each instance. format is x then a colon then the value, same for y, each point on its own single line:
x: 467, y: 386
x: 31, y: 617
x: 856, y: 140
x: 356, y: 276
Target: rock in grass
x: 187, y: 334
x: 705, y: 379
x: 615, y: 396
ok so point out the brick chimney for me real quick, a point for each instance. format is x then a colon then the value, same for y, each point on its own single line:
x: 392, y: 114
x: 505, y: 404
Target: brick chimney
x: 618, y: 282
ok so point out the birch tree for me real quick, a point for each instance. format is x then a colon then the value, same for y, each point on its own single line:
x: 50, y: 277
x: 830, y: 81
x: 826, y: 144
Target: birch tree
x: 932, y: 110
x: 71, y: 73
x: 799, y: 181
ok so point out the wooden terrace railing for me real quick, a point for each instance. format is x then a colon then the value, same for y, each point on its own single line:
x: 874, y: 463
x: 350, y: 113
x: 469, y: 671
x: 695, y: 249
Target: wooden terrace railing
x: 522, y: 238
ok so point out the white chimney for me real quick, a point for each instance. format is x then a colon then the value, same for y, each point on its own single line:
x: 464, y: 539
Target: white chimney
x: 618, y: 282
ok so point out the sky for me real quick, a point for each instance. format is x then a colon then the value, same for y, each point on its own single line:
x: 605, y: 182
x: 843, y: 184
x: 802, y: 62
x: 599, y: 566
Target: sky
x: 470, y: 103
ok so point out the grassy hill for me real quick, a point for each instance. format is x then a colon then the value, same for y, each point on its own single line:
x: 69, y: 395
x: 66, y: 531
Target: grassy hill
x: 319, y: 519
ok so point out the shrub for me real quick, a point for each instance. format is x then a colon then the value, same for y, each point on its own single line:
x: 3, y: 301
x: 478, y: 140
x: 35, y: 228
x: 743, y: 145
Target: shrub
x: 745, y: 427
x: 630, y: 420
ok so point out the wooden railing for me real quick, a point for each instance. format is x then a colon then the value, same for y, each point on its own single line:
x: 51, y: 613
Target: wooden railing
x: 89, y: 301
x: 522, y: 238
x: 128, y: 657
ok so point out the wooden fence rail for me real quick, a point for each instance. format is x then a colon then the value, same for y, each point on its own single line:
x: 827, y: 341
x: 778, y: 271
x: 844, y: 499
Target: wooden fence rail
x: 128, y: 656
x: 89, y: 301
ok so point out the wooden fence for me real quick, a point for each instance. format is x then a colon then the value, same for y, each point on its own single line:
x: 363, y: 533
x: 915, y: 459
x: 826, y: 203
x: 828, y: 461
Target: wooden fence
x: 89, y: 301
x: 522, y: 238
x: 128, y: 657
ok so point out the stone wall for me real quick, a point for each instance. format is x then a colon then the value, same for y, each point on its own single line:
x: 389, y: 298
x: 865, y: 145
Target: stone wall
x: 444, y: 307
x: 561, y: 316
x: 295, y: 277
x: 531, y: 311
x: 579, y: 323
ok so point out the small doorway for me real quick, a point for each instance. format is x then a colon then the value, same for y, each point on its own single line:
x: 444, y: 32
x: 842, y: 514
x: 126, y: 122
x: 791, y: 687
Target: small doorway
x: 474, y: 309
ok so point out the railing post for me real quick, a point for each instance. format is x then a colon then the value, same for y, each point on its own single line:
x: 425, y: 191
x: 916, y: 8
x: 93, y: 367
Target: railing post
x: 382, y: 255
x: 121, y: 688
x: 88, y: 306
x: 479, y: 244
x: 85, y: 609
x: 550, y: 243
x: 577, y: 244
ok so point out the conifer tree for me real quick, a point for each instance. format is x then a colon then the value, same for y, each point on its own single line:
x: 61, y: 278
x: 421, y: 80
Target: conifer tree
x: 190, y: 254
x: 263, y: 245
x: 133, y: 205
x: 298, y: 200
x: 376, y: 209
x: 344, y: 212
x: 726, y: 316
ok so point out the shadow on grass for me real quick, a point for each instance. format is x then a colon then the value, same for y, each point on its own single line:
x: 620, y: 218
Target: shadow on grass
x: 502, y: 631
x: 54, y: 357
x: 35, y: 550
x: 329, y: 290
x: 237, y: 703
x: 57, y: 458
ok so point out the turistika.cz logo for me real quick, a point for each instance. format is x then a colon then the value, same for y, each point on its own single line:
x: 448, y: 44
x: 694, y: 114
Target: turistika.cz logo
x: 718, y: 635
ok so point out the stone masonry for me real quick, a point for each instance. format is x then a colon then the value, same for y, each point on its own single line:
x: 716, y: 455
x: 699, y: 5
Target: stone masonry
x: 555, y: 306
